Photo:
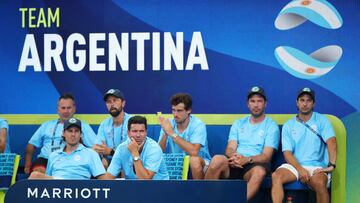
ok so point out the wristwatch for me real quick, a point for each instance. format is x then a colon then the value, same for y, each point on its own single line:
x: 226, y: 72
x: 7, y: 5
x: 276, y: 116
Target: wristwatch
x: 136, y: 158
x: 331, y: 164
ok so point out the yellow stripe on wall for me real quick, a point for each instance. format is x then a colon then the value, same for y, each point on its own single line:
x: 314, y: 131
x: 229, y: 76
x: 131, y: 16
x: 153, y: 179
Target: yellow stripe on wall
x: 95, y: 119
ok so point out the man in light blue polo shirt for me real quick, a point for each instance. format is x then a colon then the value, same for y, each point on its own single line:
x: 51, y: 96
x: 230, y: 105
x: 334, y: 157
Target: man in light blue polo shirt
x: 309, y: 147
x: 4, y: 136
x: 48, y: 136
x: 74, y: 160
x: 252, y: 142
x: 185, y: 134
x: 140, y: 157
x: 113, y: 130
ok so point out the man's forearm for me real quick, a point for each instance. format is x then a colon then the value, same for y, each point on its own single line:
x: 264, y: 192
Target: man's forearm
x: 332, y: 148
x: 162, y: 142
x: 3, y: 133
x: 229, y: 152
x: 28, y: 154
x: 290, y: 159
x: 141, y: 171
x: 261, y: 158
x: 188, y: 147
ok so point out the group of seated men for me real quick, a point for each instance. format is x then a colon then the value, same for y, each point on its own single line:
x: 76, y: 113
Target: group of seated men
x: 71, y: 150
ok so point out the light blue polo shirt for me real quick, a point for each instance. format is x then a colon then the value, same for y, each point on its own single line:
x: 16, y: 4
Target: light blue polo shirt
x: 305, y: 145
x: 49, y: 137
x: 113, y: 136
x: 4, y: 125
x: 194, y: 133
x: 252, y: 138
x: 82, y: 163
x: 151, y: 158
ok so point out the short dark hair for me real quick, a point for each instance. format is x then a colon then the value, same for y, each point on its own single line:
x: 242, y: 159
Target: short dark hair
x: 182, y: 98
x: 137, y: 120
x: 66, y: 96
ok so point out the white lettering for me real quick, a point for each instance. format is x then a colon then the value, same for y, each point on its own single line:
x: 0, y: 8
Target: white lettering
x: 29, y: 47
x: 164, y: 48
x: 32, y: 192
x: 140, y: 38
x: 121, y: 53
x: 172, y: 51
x: 197, y: 44
x: 80, y: 54
x: 106, y: 190
x: 56, y: 192
x: 45, y: 193
x: 95, y: 51
x: 50, y: 53
x: 88, y: 193
x: 67, y: 193
x: 156, y: 51
x: 96, y: 190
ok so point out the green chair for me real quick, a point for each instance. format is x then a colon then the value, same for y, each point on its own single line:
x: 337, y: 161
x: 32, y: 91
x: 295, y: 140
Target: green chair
x: 8, y: 171
x: 177, y: 165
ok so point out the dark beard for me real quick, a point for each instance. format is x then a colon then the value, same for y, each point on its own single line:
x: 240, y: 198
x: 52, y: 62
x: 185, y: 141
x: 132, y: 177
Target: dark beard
x: 115, y: 113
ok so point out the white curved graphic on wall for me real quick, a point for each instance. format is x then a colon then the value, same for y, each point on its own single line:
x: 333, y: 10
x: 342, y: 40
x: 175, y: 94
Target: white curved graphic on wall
x: 320, y: 12
x: 304, y: 66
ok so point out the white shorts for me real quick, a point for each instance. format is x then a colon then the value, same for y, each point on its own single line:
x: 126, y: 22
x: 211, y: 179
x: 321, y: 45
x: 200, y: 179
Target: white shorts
x: 310, y: 169
x: 207, y: 163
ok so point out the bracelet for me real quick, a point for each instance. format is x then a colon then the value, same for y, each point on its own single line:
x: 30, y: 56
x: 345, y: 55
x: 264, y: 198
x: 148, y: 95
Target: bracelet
x: 174, y: 136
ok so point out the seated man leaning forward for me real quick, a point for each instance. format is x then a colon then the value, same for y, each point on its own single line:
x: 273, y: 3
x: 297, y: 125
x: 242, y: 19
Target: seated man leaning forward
x: 185, y: 134
x: 309, y: 146
x: 252, y: 142
x: 74, y: 161
x: 48, y: 137
x: 139, y: 157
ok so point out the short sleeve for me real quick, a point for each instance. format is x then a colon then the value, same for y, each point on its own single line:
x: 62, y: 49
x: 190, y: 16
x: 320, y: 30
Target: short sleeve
x: 101, y: 133
x: 116, y: 165
x: 4, y: 124
x: 199, y: 136
x: 96, y: 166
x: 89, y: 137
x: 233, y: 135
x: 37, y: 137
x: 327, y: 130
x: 153, y: 159
x: 273, y: 136
x: 286, y: 139
x: 49, y: 166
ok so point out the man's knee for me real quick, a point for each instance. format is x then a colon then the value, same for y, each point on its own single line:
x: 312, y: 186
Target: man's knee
x: 276, y: 178
x: 319, y: 183
x: 36, y: 175
x: 217, y: 162
x: 258, y: 173
x: 196, y: 163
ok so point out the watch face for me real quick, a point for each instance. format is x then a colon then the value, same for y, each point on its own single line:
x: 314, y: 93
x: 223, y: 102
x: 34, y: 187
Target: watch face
x: 136, y: 158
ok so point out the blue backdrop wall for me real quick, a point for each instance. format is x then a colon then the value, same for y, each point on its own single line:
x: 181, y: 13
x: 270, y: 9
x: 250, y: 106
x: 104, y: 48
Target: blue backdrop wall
x: 214, y: 50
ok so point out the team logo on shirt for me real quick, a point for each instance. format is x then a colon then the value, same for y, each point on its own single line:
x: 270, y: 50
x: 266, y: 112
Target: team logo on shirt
x: 51, y: 130
x: 242, y: 130
x: 261, y: 133
x: 314, y: 127
x: 295, y: 135
x: 77, y: 158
